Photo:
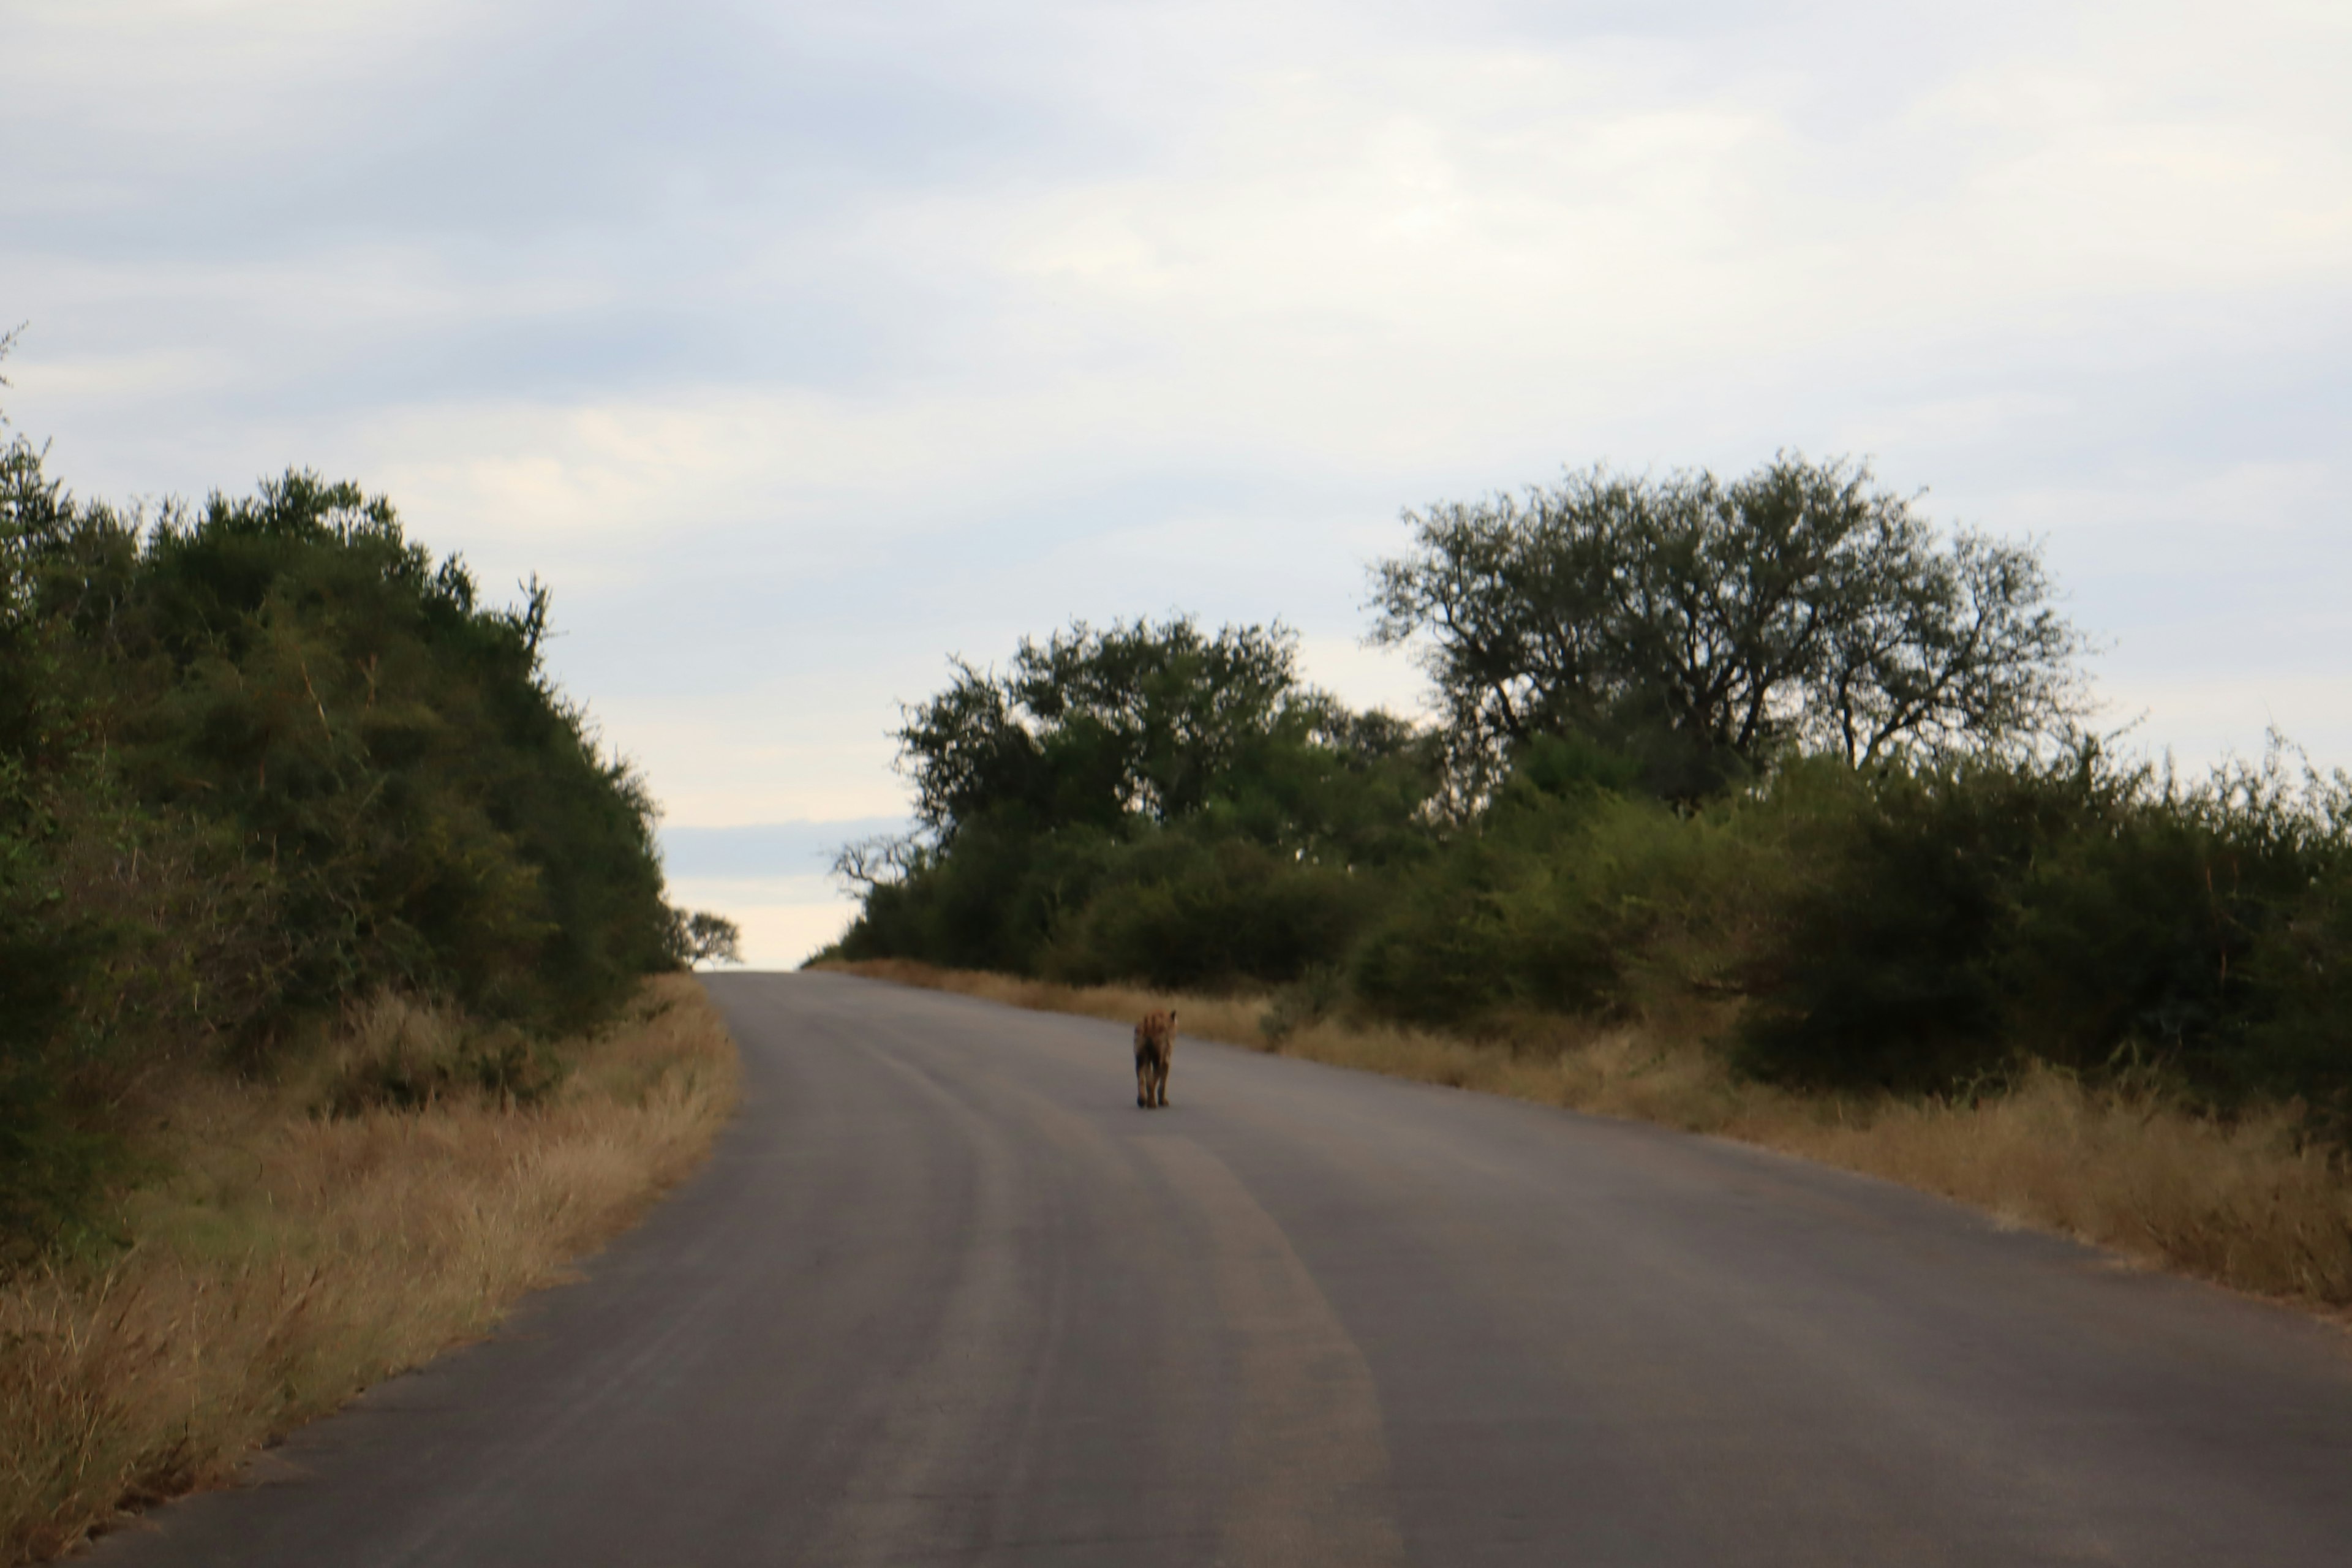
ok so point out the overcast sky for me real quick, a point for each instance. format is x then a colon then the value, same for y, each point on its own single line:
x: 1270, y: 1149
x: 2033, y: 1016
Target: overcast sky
x: 801, y: 346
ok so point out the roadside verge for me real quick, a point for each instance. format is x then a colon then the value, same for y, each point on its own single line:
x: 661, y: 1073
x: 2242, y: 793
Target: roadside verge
x: 301, y: 1240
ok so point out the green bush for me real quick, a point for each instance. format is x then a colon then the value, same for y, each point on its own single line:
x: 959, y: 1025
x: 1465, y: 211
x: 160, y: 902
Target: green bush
x: 1206, y: 912
x: 1877, y: 968
x: 49, y: 1161
x: 992, y: 904
x: 1955, y: 921
x: 262, y: 756
x: 1569, y: 894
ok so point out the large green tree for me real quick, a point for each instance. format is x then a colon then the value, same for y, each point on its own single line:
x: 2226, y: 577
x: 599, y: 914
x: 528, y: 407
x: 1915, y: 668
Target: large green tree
x: 1708, y: 623
x: 1139, y: 722
x: 1142, y: 799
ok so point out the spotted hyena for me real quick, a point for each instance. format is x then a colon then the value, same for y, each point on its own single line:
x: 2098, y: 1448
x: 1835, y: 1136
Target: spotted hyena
x: 1155, y: 1045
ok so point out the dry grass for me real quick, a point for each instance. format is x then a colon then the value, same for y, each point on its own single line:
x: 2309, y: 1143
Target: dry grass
x: 290, y: 1258
x: 2247, y: 1203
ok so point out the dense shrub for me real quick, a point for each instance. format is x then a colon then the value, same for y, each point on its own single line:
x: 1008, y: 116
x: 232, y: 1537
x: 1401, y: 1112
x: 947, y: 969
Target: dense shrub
x: 1878, y: 963
x: 1956, y: 920
x: 1189, y: 905
x: 258, y: 758
x: 1571, y: 892
x: 1206, y: 911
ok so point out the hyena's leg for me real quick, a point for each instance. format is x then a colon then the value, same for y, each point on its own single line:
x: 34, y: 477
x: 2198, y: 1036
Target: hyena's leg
x: 1143, y: 1081
x: 1159, y: 1075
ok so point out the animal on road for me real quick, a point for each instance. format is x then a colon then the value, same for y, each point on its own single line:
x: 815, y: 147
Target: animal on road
x: 1155, y: 1047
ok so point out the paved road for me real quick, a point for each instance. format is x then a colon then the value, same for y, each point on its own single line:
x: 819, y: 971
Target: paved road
x: 946, y: 1295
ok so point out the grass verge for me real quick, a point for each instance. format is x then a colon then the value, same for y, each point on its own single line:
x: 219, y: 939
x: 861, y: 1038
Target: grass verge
x: 306, y: 1239
x: 2246, y: 1203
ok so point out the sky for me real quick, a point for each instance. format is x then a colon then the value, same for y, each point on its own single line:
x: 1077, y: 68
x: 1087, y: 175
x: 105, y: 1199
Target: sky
x: 801, y: 347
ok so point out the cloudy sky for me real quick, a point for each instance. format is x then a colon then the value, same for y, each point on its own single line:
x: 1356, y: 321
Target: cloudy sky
x: 800, y: 346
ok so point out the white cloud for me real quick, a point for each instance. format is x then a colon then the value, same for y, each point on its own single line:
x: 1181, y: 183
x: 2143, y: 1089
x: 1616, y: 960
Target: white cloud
x: 800, y: 348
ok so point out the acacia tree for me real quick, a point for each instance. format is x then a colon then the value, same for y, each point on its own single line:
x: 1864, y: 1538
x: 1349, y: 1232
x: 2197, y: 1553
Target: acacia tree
x: 1799, y: 605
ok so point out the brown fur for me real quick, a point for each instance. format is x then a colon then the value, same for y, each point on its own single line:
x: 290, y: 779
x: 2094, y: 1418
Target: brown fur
x: 1155, y: 1047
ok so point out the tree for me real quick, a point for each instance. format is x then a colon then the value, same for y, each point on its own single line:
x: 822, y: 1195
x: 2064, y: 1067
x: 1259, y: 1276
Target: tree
x: 698, y: 936
x: 1710, y: 625
x: 1091, y: 726
x: 1144, y: 799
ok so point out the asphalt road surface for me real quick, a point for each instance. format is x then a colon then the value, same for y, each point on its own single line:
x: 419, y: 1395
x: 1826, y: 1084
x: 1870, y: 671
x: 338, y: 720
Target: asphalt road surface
x: 946, y: 1295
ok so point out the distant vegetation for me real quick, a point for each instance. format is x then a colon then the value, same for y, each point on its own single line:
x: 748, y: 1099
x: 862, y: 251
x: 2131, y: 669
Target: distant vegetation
x: 1776, y: 745
x: 260, y: 761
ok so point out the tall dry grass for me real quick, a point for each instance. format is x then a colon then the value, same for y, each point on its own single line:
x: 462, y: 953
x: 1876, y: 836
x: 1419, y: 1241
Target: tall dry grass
x: 2247, y: 1203
x: 291, y: 1258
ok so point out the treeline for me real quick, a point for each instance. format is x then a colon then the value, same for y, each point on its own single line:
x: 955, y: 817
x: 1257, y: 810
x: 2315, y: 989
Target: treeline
x: 1776, y: 748
x: 260, y: 760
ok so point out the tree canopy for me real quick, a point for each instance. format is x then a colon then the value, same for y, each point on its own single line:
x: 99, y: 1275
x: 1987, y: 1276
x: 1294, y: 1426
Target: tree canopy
x: 1141, y: 798
x: 1137, y: 721
x: 1712, y: 624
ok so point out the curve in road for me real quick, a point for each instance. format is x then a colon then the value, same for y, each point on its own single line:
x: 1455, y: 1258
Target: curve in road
x: 944, y: 1295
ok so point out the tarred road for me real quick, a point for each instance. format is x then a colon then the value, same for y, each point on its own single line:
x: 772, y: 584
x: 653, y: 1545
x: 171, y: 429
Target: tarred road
x: 946, y: 1295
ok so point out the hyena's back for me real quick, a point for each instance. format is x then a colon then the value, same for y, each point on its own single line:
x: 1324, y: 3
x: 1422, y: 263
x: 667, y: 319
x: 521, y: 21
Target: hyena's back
x: 1155, y: 1047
